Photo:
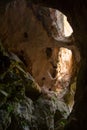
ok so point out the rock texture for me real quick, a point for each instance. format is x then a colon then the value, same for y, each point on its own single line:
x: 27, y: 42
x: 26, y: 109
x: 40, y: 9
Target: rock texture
x: 19, y: 112
x: 31, y: 38
x: 76, y: 12
x: 33, y: 34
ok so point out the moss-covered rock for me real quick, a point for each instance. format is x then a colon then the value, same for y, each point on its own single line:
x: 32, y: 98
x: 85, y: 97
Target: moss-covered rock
x: 13, y: 82
x: 50, y: 112
x: 18, y: 110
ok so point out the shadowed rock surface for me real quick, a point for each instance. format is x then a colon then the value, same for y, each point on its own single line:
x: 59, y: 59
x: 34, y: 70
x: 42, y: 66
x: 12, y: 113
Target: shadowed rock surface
x: 19, y: 112
x: 77, y: 16
x: 32, y: 38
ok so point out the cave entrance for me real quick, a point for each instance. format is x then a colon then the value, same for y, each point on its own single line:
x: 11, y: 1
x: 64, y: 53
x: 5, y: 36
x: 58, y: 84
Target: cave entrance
x: 63, y: 81
x: 64, y: 76
x: 54, y: 70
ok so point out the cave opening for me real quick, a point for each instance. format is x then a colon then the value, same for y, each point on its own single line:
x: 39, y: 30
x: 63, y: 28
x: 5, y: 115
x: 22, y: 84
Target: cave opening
x: 65, y: 84
x: 61, y: 76
x: 41, y: 94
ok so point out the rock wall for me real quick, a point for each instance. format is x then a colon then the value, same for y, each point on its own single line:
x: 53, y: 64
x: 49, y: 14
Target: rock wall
x: 19, y: 111
x: 77, y: 16
x: 32, y: 33
x: 31, y: 38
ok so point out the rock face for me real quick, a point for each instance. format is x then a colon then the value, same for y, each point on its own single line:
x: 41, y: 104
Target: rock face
x: 19, y: 112
x: 77, y: 15
x: 13, y: 83
x: 29, y: 32
x: 31, y: 38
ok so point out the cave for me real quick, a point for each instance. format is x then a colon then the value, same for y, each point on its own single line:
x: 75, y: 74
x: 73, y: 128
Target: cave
x: 43, y: 65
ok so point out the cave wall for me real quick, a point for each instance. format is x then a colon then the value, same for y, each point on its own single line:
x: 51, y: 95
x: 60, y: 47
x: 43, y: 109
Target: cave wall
x: 29, y: 37
x: 78, y: 19
x: 30, y: 33
x: 25, y: 105
x: 77, y: 16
